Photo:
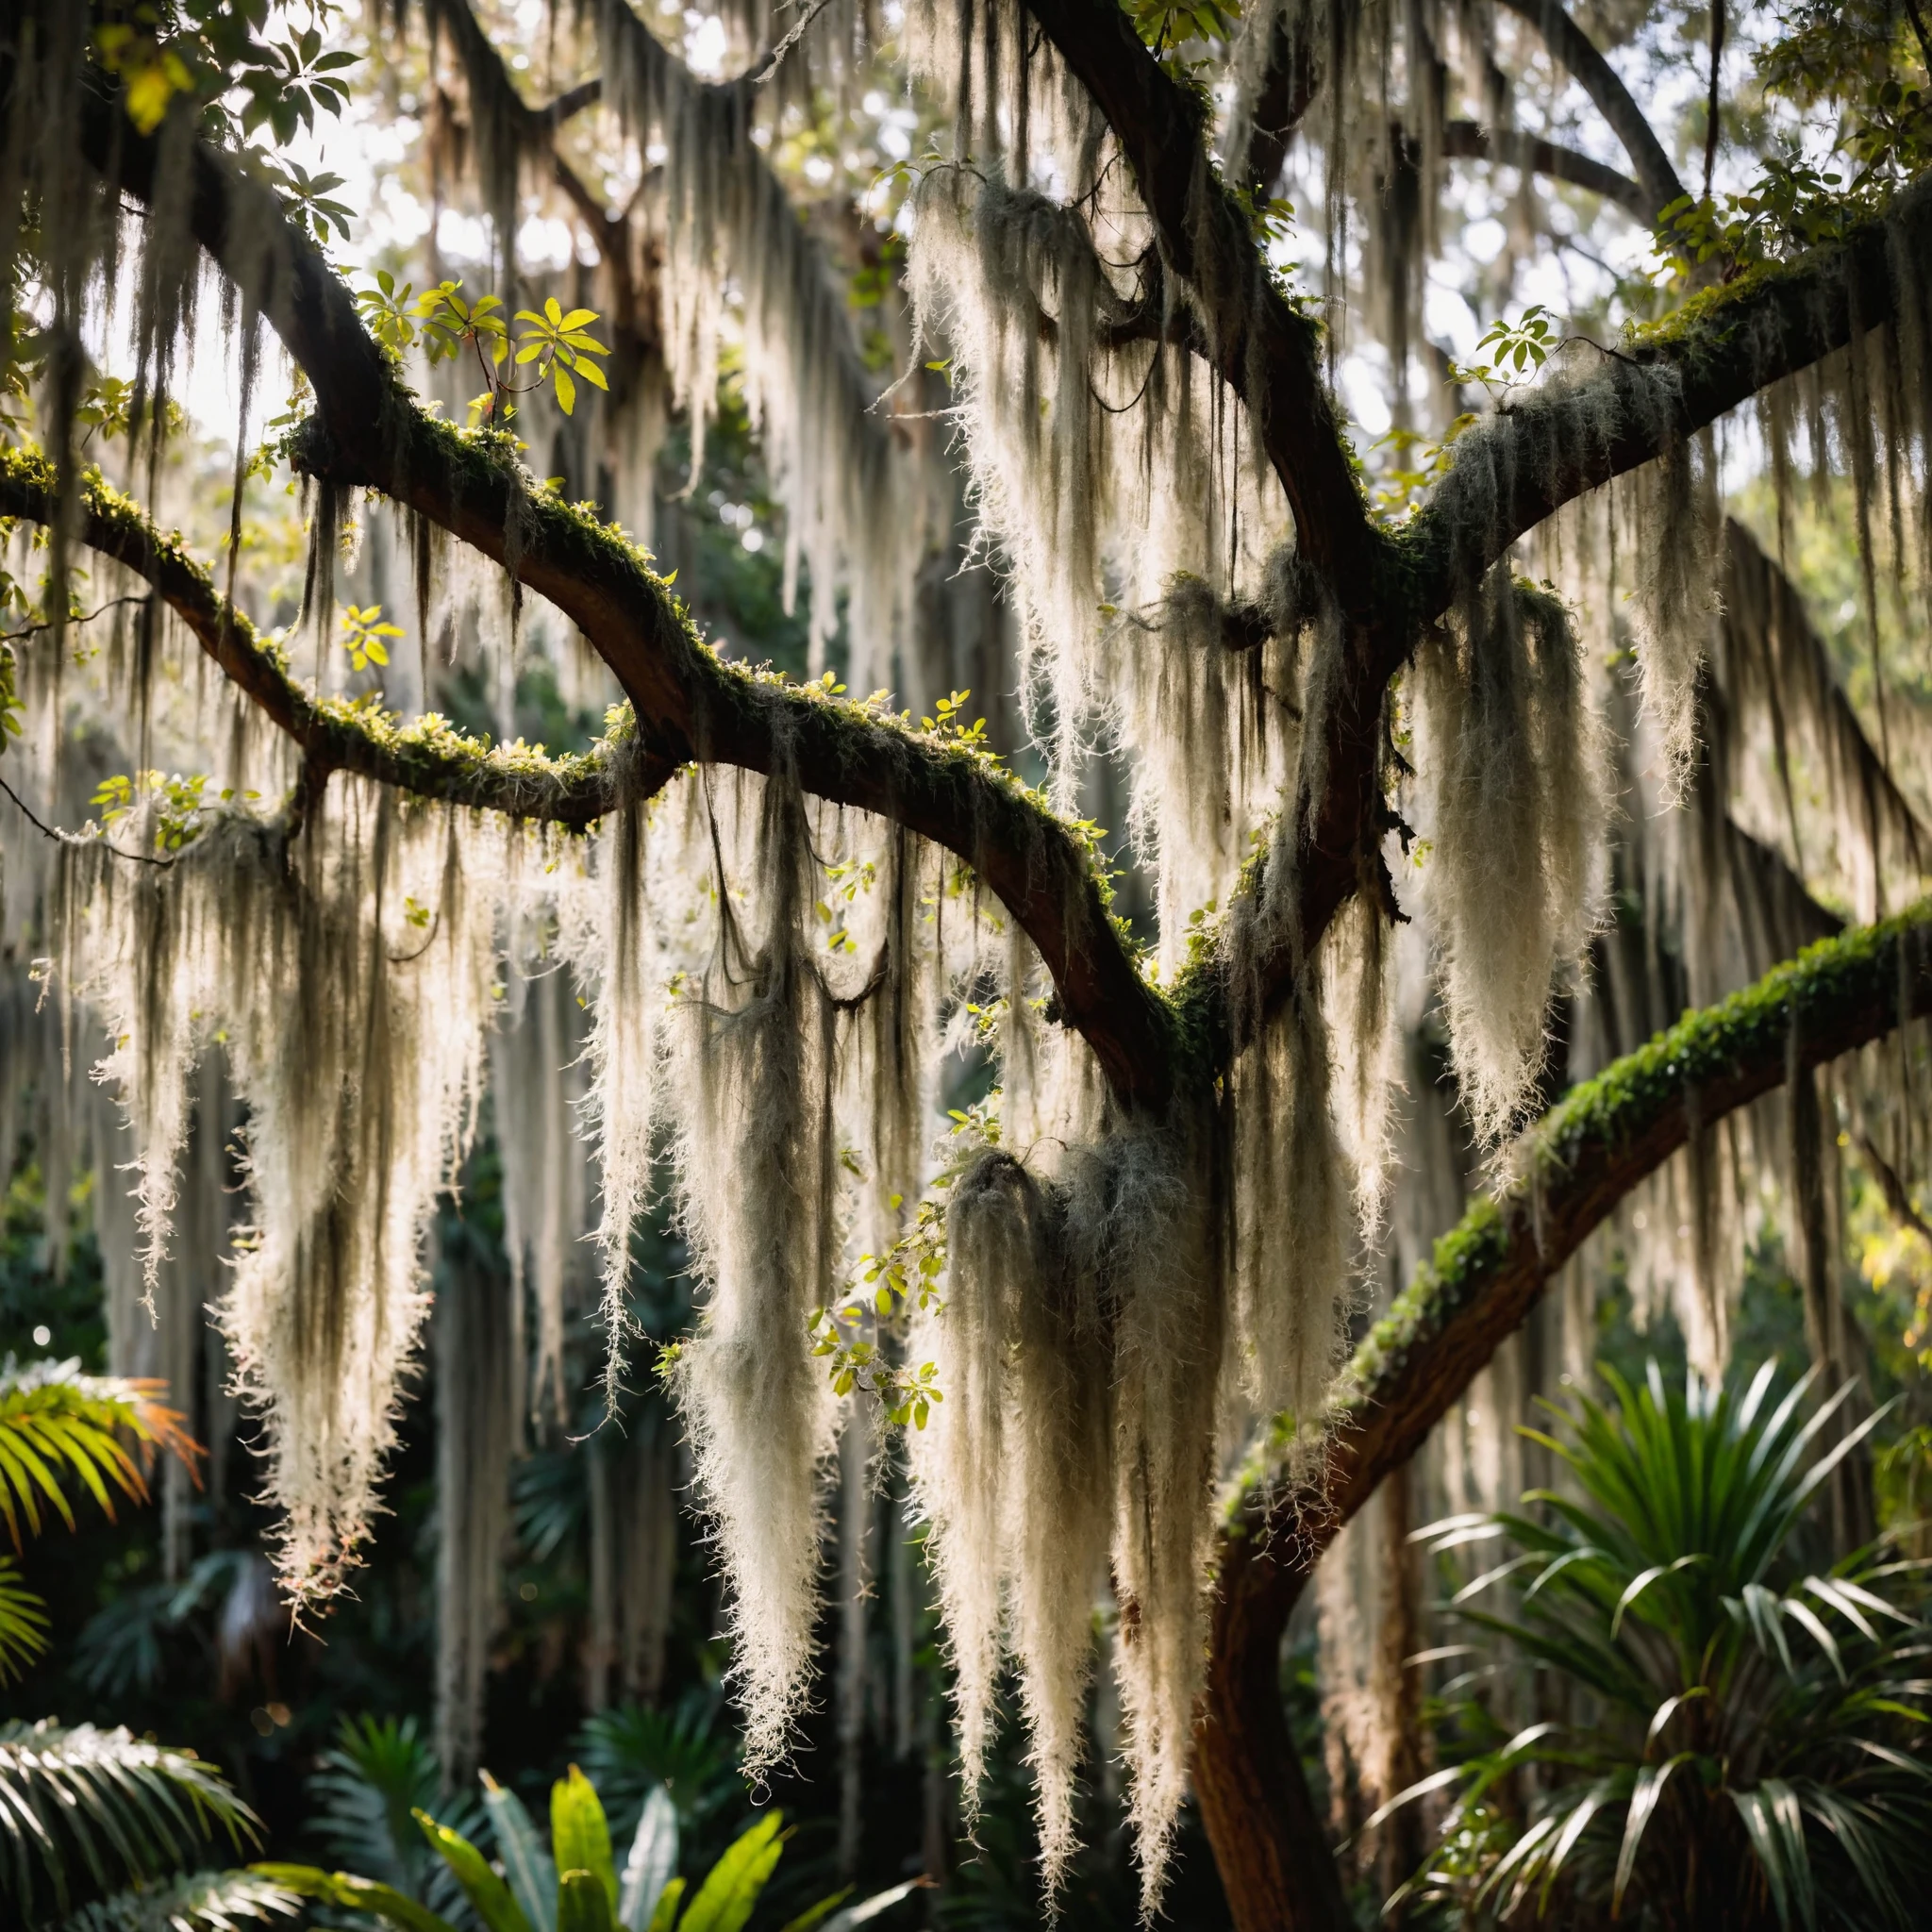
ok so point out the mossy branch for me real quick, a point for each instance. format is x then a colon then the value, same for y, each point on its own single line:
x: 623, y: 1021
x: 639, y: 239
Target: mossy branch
x: 1665, y: 383
x: 689, y: 703
x: 1571, y: 1169
x: 428, y: 756
x: 1487, y: 1274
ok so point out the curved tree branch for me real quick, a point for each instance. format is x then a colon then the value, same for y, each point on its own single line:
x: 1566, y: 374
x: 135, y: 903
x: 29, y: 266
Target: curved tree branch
x: 1263, y: 347
x: 430, y: 758
x: 1469, y: 140
x: 1566, y: 438
x: 690, y: 704
x: 1486, y: 1276
x: 1572, y: 48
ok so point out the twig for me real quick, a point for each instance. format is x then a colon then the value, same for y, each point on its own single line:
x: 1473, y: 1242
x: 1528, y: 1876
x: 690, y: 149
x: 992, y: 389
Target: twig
x: 14, y: 637
x: 1892, y: 1187
x: 1918, y: 22
x: 61, y: 838
x: 769, y: 66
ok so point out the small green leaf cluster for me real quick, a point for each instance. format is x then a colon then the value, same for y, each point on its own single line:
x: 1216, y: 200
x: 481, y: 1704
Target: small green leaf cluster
x: 1793, y: 206
x: 242, y: 67
x: 180, y: 803
x: 1521, y: 346
x: 11, y: 709
x: 444, y: 322
x: 558, y: 344
x: 363, y: 634
x: 1415, y: 465
x: 1166, y: 25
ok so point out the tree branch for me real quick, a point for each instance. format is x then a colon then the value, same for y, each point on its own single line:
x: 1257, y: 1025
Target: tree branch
x: 1484, y: 1278
x: 1572, y: 48
x: 690, y: 704
x: 1468, y: 141
x: 429, y: 759
x: 1289, y: 85
x: 1263, y: 347
x: 1565, y: 438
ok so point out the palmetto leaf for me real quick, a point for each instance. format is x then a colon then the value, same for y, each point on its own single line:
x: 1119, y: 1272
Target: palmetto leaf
x: 1644, y: 1799
x: 1777, y: 1828
x: 55, y: 1421
x: 102, y: 1806
x: 1665, y: 1584
x: 190, y: 1902
x: 23, y: 1621
x: 365, y: 1796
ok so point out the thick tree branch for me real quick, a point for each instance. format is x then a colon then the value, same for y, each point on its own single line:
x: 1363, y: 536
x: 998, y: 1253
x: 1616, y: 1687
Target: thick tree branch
x: 430, y: 758
x: 1468, y: 141
x: 1665, y: 384
x: 492, y: 91
x: 1572, y: 48
x: 1486, y: 1276
x: 1263, y: 347
x: 690, y: 704
x: 1289, y: 85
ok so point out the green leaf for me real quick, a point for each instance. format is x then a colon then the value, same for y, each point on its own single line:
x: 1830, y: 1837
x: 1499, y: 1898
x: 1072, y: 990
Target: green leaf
x: 566, y: 389
x: 23, y: 1621
x: 1643, y: 1803
x: 732, y: 1889
x: 579, y: 1833
x: 582, y: 1904
x: 495, y: 1903
x: 354, y: 1894
x: 665, y: 1916
x: 526, y: 1866
x: 865, y: 1909
x: 653, y: 1859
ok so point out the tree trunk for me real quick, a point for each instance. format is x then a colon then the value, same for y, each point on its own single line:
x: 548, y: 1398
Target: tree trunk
x: 1275, y: 1863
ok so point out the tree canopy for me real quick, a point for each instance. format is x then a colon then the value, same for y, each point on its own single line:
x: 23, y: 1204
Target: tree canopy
x: 1431, y: 504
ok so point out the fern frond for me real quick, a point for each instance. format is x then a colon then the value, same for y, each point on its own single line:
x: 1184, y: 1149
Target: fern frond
x: 54, y: 1420
x: 103, y: 1805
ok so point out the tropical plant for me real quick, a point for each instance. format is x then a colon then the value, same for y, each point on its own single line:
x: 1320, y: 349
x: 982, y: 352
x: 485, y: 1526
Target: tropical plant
x: 628, y: 1751
x: 56, y: 1422
x: 101, y: 1807
x: 189, y: 1902
x: 1744, y: 1743
x: 366, y: 1796
x: 573, y: 1885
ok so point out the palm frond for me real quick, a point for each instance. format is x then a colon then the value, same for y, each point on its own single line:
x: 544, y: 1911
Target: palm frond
x: 1667, y: 1590
x: 105, y: 1806
x: 190, y: 1902
x: 629, y: 1751
x: 23, y: 1621
x: 365, y: 1796
x: 55, y: 1421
